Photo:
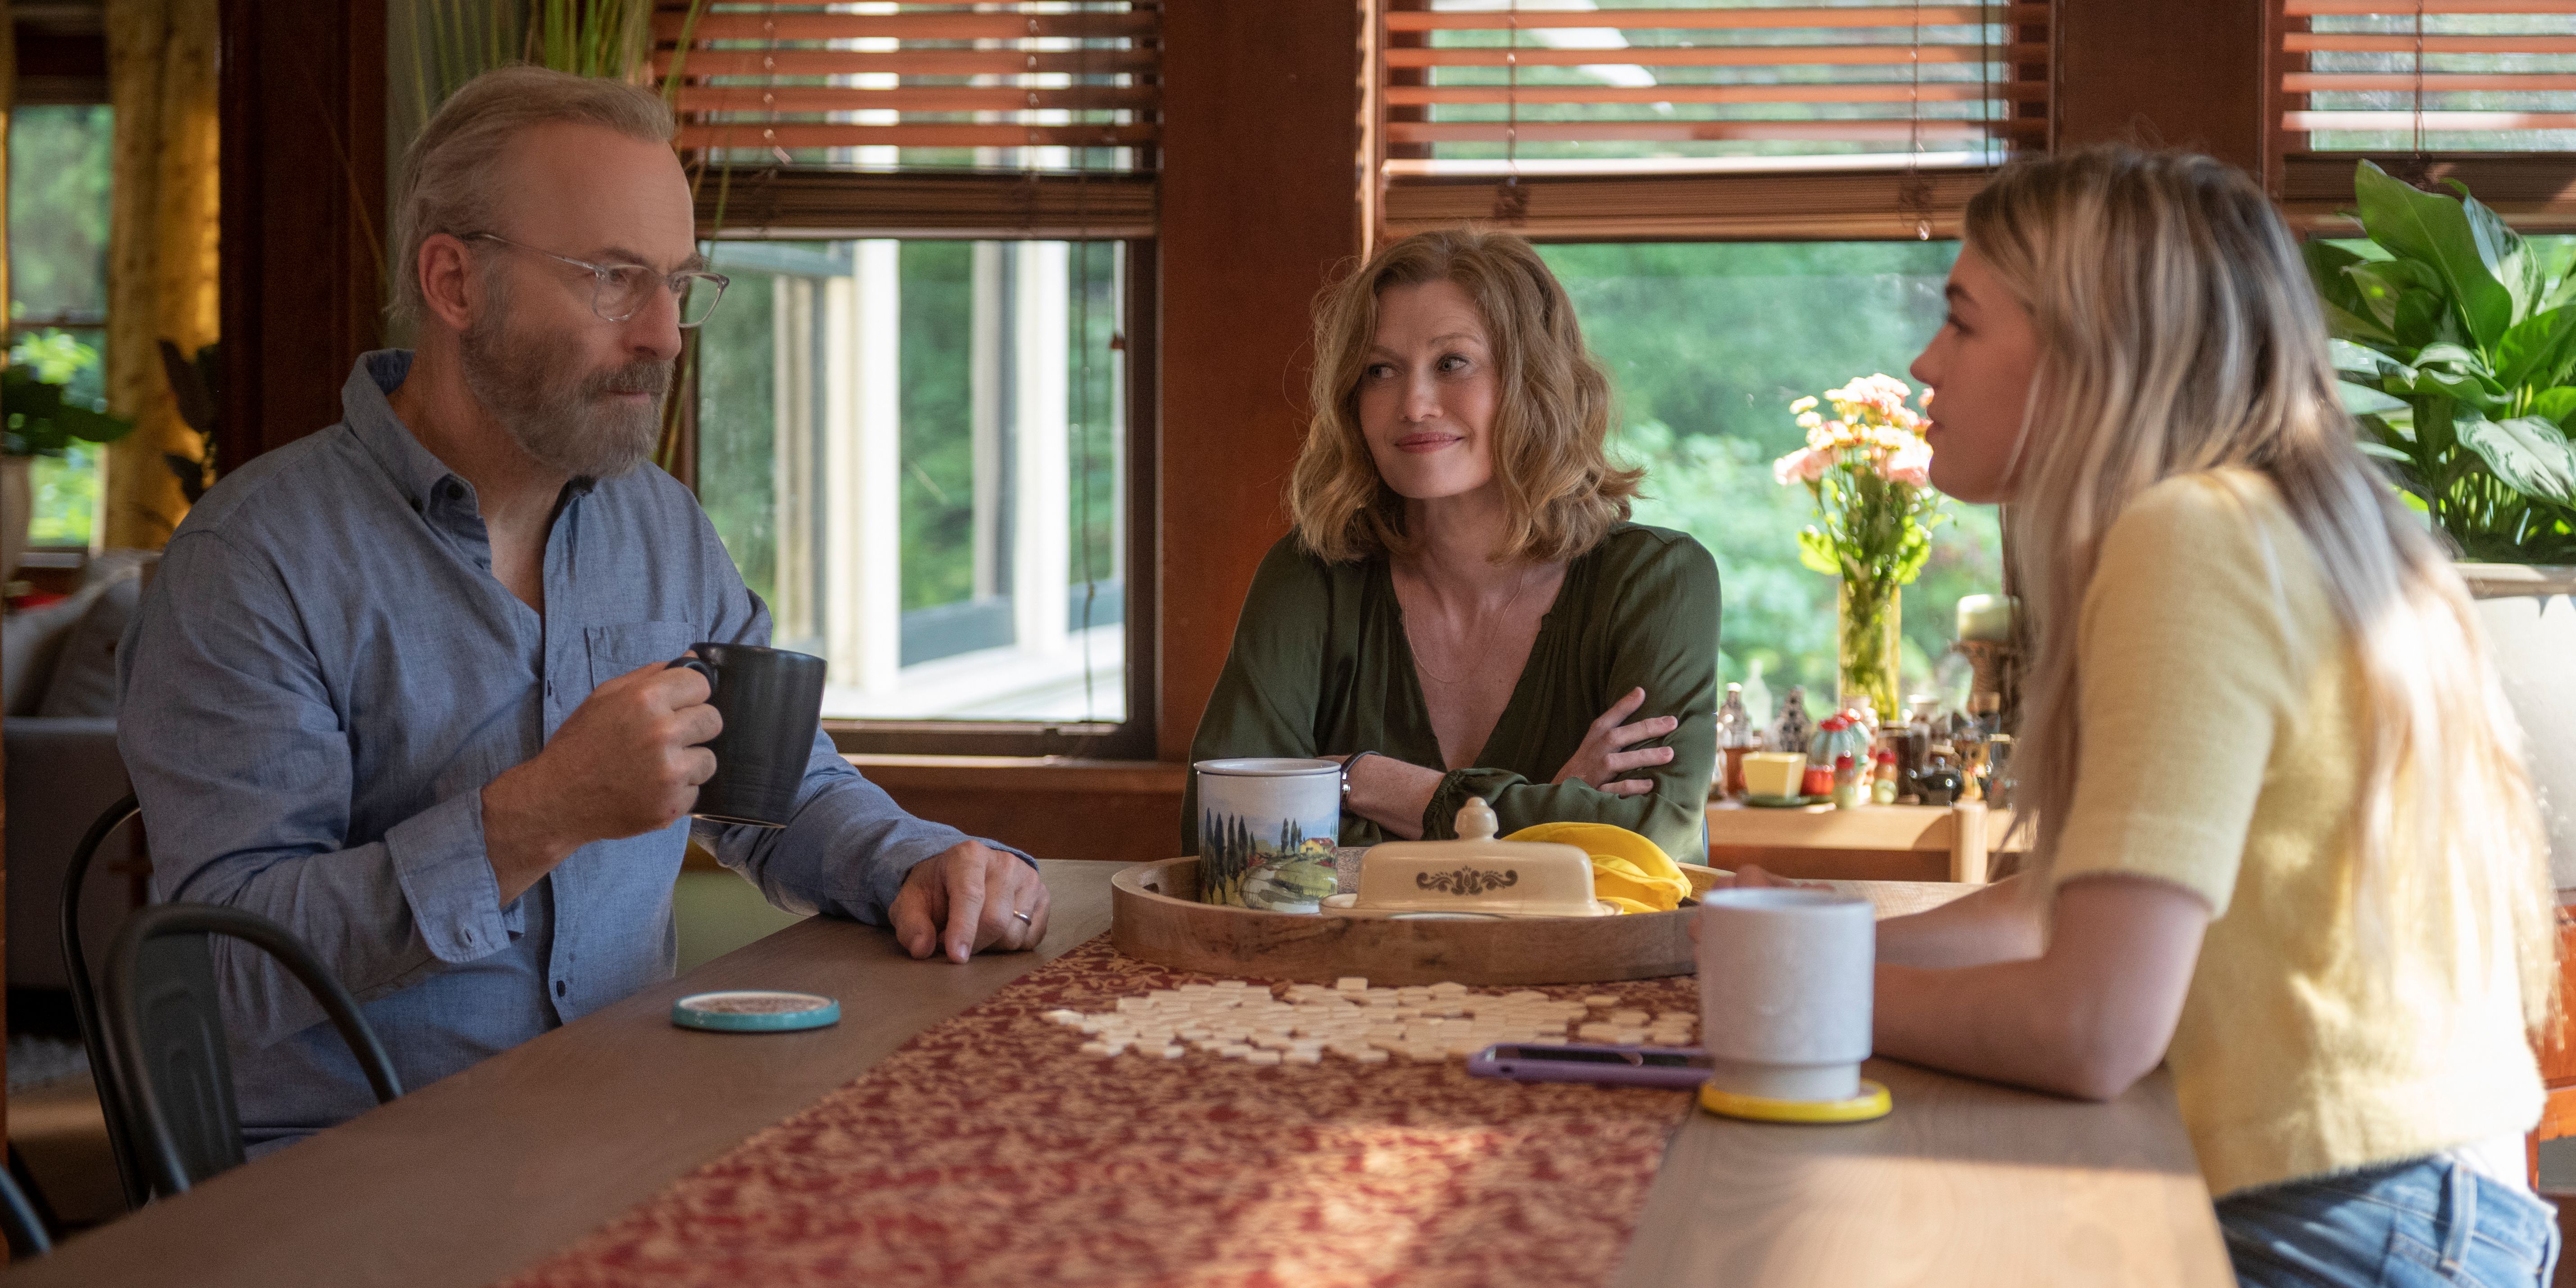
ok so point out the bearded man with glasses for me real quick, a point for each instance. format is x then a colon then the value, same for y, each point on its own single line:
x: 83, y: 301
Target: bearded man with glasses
x: 402, y: 685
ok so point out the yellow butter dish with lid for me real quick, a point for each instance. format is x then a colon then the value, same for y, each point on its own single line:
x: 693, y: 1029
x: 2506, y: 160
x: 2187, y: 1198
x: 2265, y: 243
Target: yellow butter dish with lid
x: 1475, y: 876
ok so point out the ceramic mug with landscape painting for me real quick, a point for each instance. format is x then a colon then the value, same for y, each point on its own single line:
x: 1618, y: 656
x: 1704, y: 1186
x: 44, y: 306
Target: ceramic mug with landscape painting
x: 1266, y: 831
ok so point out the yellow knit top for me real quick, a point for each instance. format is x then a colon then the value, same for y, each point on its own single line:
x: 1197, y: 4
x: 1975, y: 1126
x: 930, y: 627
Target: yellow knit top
x: 2220, y: 752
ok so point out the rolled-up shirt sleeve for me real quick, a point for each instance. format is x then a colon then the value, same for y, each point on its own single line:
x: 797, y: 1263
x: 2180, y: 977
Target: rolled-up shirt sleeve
x: 242, y: 760
x: 849, y: 846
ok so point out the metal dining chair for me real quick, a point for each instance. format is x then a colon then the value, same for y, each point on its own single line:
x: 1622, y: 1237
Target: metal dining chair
x: 166, y: 1033
x: 102, y: 1070
x: 19, y: 1221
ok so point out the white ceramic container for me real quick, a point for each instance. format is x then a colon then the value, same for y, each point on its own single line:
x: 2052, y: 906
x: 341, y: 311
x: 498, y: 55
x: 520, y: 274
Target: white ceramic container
x: 1267, y: 828
x: 1473, y: 876
x: 1784, y: 991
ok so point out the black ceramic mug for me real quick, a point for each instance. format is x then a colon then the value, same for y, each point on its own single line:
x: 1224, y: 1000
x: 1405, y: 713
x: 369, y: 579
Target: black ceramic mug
x: 772, y: 702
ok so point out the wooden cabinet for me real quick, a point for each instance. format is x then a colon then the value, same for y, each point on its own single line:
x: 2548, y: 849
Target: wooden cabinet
x: 1872, y: 843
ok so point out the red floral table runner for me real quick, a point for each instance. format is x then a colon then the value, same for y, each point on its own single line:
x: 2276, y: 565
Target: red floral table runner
x: 988, y: 1150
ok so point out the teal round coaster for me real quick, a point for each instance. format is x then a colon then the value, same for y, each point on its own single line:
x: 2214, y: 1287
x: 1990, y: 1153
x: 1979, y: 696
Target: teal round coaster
x: 754, y: 1011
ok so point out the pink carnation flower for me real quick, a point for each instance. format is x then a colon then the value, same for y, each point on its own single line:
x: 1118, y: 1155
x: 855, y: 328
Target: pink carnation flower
x: 1910, y: 465
x: 1804, y: 465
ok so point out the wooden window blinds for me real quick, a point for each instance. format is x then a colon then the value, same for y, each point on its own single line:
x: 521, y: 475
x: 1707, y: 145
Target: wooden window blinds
x: 936, y: 117
x: 1700, y: 117
x: 2437, y: 75
x: 2483, y: 91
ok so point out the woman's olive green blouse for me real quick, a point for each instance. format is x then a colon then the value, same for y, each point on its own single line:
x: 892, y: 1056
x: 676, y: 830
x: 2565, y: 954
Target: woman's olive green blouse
x: 1321, y: 666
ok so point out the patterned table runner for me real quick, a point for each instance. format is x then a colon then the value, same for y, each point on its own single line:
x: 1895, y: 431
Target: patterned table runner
x: 988, y: 1150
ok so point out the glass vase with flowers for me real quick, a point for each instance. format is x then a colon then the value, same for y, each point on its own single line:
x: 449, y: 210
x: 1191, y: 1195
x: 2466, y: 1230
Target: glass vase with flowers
x: 1867, y: 467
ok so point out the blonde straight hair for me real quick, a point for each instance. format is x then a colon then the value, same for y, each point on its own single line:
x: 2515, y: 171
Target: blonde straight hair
x: 2179, y: 333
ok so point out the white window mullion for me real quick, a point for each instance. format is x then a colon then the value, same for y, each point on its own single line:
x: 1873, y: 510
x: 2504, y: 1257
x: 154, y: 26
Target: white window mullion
x: 1040, y: 567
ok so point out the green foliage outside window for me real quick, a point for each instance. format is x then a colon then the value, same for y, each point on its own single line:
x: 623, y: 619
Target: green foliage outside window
x: 59, y: 170
x: 737, y: 425
x: 1708, y: 343
x: 938, y: 488
x: 737, y: 434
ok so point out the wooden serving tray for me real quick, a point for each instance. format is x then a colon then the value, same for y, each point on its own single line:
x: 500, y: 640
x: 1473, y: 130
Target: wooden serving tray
x: 1155, y: 916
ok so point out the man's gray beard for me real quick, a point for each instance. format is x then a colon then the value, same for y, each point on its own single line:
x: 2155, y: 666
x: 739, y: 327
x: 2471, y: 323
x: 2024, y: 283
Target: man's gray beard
x: 561, y: 418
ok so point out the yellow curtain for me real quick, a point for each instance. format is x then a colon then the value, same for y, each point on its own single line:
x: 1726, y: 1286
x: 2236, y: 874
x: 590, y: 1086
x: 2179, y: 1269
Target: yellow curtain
x: 161, y: 247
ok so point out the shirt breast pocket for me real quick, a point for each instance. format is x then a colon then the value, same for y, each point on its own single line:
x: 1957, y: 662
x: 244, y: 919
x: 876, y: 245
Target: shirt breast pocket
x: 616, y: 650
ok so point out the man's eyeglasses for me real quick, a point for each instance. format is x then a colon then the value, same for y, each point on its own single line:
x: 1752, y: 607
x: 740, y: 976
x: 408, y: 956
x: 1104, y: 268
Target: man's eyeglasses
x: 619, y: 291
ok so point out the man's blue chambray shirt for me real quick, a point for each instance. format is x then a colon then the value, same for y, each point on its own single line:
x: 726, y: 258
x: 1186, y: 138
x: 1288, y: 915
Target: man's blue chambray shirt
x: 324, y: 675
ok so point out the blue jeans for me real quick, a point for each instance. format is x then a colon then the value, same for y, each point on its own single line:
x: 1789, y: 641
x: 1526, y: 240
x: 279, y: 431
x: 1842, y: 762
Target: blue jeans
x: 2429, y: 1222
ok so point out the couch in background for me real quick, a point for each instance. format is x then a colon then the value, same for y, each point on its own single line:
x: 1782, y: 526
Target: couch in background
x: 58, y: 679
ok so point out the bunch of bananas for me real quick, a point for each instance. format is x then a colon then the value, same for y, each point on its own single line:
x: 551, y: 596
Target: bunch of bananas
x: 1629, y: 872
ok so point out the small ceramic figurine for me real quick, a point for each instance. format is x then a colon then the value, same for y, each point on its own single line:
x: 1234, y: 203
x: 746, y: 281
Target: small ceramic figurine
x: 1938, y: 784
x: 1791, y: 731
x: 1734, y: 723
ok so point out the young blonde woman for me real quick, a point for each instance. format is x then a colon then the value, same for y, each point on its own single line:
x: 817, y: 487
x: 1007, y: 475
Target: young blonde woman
x: 2283, y: 837
x: 1463, y: 609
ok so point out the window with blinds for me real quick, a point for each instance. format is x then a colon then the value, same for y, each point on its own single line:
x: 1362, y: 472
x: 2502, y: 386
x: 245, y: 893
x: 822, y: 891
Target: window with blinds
x: 962, y: 114
x: 1524, y: 90
x: 1484, y: 86
x: 2429, y: 76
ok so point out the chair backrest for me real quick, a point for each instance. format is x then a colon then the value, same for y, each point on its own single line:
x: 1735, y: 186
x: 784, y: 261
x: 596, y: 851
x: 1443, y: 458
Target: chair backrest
x: 102, y: 1070
x: 19, y: 1221
x: 166, y: 1034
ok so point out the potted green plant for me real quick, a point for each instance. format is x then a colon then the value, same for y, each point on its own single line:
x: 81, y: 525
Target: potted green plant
x: 42, y: 419
x: 2456, y: 341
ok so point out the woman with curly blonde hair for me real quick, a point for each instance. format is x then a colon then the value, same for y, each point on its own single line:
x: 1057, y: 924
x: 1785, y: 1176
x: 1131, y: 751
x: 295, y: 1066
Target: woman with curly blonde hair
x: 1464, y: 609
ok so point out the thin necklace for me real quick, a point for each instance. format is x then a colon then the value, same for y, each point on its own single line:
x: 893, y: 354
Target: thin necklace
x: 1517, y: 592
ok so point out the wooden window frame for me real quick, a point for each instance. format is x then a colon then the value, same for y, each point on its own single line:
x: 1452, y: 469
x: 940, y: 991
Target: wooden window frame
x: 2534, y: 191
x: 812, y: 203
x: 795, y: 204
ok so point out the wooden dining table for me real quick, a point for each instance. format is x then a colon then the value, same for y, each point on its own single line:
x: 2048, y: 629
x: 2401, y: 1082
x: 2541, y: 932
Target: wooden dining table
x: 491, y: 1170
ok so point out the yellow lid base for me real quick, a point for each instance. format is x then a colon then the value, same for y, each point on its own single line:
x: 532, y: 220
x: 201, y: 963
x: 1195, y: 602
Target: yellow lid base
x: 1872, y: 1102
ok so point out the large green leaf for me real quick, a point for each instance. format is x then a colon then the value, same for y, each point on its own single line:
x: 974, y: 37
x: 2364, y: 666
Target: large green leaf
x: 2421, y: 318
x: 90, y: 426
x: 2528, y: 453
x: 2345, y: 324
x: 2326, y: 265
x: 2553, y: 404
x: 2503, y: 251
x: 2452, y: 357
x: 2561, y: 293
x: 2378, y: 284
x: 2434, y: 230
x: 2362, y: 400
x: 2538, y: 349
x: 2348, y: 315
x: 23, y: 395
x: 2467, y: 383
x: 2360, y: 361
x: 2433, y: 421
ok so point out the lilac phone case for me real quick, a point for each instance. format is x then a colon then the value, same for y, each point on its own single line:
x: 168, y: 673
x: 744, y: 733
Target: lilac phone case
x: 1623, y: 1065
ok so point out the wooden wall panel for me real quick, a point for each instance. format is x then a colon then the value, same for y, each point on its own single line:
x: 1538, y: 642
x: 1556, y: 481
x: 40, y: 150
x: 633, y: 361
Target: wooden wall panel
x: 1260, y: 205
x: 2180, y: 73
x: 1114, y: 811
x: 303, y: 103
